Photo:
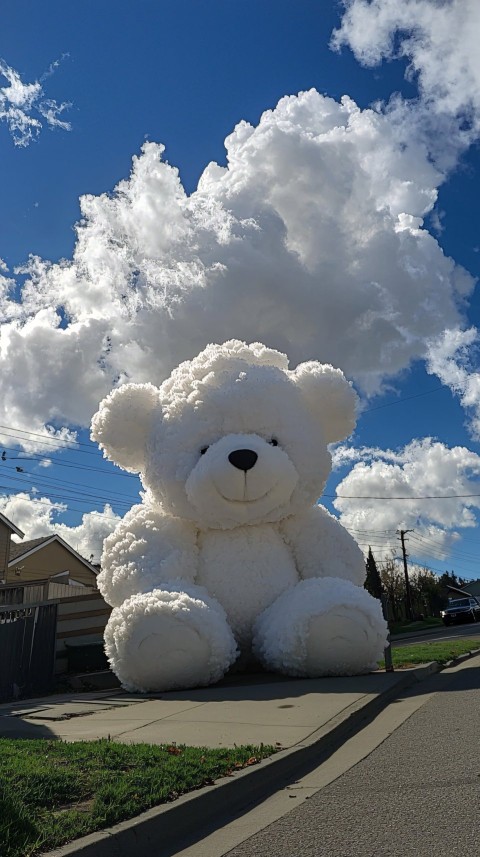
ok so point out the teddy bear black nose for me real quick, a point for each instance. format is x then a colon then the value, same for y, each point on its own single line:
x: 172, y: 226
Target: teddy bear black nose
x: 244, y: 459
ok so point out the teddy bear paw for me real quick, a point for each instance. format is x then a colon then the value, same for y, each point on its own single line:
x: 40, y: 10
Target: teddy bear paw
x: 341, y: 642
x: 321, y: 627
x: 166, y: 640
x: 169, y: 655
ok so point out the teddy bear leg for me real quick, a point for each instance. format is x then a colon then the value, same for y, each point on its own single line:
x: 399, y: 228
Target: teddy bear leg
x: 321, y: 627
x: 169, y: 638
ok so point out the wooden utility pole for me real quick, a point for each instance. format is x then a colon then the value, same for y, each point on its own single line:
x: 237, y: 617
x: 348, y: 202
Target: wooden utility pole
x: 408, y: 591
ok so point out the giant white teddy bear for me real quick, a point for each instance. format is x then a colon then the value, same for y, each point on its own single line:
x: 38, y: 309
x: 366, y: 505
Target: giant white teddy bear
x: 229, y: 553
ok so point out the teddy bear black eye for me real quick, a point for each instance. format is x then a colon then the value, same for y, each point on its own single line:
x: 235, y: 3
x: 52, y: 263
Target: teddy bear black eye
x: 273, y: 441
x: 203, y: 450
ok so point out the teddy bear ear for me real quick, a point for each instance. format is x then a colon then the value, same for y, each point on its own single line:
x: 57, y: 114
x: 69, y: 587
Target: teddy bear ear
x: 123, y: 422
x: 331, y: 398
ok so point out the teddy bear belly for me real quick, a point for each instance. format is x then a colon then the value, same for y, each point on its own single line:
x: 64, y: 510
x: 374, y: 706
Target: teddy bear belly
x: 245, y: 569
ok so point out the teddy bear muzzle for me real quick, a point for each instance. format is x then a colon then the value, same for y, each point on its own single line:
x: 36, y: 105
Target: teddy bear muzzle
x: 240, y: 479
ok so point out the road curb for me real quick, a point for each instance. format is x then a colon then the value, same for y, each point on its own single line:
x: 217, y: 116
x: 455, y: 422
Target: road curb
x: 460, y: 658
x: 197, y: 812
x: 183, y: 819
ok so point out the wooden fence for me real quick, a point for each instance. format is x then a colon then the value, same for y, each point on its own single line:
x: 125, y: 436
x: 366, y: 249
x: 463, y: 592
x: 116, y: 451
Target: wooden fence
x: 27, y: 647
x: 40, y: 636
x: 32, y: 592
x: 80, y: 622
x: 67, y: 590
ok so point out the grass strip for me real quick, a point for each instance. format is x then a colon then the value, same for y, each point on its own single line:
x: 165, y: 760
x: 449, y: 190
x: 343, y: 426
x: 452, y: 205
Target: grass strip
x: 52, y: 792
x: 421, y: 653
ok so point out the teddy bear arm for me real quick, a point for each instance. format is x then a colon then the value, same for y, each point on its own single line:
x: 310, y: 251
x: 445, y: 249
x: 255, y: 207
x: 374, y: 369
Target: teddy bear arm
x: 322, y: 547
x: 147, y: 548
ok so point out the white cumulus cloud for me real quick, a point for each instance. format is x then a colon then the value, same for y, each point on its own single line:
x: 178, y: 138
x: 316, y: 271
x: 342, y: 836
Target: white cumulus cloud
x: 311, y: 239
x: 440, y: 42
x: 422, y: 469
x: 439, y: 38
x: 25, y: 109
x: 36, y: 517
x: 452, y: 358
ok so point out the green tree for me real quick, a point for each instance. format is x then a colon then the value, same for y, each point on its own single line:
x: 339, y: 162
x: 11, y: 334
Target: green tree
x: 373, y: 581
x: 393, y: 582
x: 449, y: 578
x: 426, y: 592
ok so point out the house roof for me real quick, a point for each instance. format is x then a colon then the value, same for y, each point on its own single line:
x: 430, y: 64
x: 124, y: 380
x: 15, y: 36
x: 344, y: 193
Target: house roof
x: 23, y: 549
x: 11, y: 526
x: 17, y: 549
x: 472, y: 586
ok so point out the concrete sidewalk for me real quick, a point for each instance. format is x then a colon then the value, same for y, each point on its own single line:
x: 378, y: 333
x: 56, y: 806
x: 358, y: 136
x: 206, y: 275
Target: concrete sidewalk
x: 244, y: 710
x: 306, y: 720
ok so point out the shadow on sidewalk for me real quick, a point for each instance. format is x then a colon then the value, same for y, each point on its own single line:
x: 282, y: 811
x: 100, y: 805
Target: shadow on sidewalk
x: 16, y: 727
x: 269, y: 686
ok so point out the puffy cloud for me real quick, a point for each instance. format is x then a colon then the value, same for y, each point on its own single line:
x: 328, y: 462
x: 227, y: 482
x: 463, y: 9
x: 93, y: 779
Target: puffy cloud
x: 87, y: 537
x: 450, y: 358
x: 24, y: 108
x: 439, y: 40
x: 423, y: 468
x: 36, y: 516
x: 311, y: 240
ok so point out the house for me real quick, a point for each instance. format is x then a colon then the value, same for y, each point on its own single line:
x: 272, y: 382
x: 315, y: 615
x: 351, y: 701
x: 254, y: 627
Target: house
x: 7, y: 529
x: 472, y: 587
x: 49, y: 558
x: 52, y: 616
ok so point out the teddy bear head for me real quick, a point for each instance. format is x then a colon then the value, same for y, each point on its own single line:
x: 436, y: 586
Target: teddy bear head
x: 232, y: 437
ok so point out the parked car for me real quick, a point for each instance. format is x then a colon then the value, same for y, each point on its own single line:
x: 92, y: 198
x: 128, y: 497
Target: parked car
x: 461, y: 610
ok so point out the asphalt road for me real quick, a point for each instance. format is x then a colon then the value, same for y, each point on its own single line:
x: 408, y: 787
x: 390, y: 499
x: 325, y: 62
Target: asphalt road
x: 416, y: 795
x: 467, y: 629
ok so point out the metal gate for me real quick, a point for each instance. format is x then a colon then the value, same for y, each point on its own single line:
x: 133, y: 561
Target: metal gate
x: 27, y: 649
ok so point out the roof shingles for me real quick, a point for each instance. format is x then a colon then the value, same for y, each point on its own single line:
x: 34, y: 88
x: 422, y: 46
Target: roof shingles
x: 17, y: 549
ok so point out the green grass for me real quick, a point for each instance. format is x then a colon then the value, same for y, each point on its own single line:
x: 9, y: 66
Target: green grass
x: 52, y: 792
x: 422, y: 624
x: 421, y: 653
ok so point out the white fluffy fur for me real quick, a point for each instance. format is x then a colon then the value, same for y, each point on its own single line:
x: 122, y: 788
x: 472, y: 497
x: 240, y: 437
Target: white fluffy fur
x: 321, y: 627
x: 218, y: 556
x: 169, y: 638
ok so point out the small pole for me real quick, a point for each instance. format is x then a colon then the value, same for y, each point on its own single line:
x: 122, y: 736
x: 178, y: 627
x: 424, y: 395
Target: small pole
x: 408, y: 591
x: 387, y: 652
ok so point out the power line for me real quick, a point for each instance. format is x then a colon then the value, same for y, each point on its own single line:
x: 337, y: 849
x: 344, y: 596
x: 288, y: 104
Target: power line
x: 411, y: 499
x: 367, y: 531
x: 73, y: 465
x: 72, y: 508
x: 427, y: 565
x: 69, y: 443
x: 11, y: 431
x: 383, y: 546
x: 440, y: 572
x: 57, y: 494
x: 467, y: 539
x: 430, y: 544
x: 79, y: 496
x: 44, y: 478
x: 433, y: 549
x: 404, y: 399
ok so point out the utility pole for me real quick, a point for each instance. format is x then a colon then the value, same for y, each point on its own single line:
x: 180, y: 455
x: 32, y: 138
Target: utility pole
x: 408, y: 591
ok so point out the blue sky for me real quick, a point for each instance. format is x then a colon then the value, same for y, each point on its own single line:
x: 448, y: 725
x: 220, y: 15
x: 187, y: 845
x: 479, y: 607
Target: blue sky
x: 182, y: 74
x: 185, y: 75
